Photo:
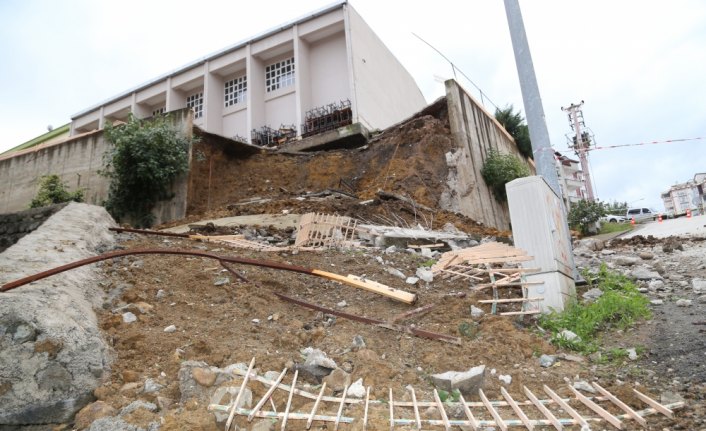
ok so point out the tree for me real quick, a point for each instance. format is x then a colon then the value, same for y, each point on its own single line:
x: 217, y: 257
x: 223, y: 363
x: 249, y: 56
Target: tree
x: 144, y: 160
x: 616, y: 207
x: 53, y: 191
x: 515, y: 125
x: 499, y: 169
x: 584, y: 214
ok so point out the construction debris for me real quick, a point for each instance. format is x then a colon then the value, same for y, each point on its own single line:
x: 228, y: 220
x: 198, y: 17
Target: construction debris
x: 579, y: 410
x: 492, y: 265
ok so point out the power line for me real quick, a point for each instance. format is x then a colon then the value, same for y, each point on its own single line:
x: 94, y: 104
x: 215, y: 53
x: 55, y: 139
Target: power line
x: 454, y: 69
x: 667, y: 141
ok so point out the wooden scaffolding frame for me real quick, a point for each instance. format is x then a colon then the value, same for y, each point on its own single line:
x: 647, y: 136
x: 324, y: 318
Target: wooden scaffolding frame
x: 325, y: 230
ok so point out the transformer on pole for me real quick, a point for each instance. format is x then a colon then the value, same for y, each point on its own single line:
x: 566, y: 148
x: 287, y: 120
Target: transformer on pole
x: 581, y: 143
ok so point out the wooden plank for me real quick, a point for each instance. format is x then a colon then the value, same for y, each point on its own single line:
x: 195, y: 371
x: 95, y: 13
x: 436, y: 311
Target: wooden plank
x: 598, y: 409
x: 316, y: 406
x: 654, y: 404
x: 437, y: 245
x: 474, y: 423
x: 496, y: 416
x: 370, y: 286
x: 440, y: 406
x: 365, y: 414
x: 231, y: 415
x: 518, y: 411
x: 519, y: 313
x: 624, y: 407
x: 567, y: 408
x: 340, y: 408
x: 417, y: 311
x: 392, y: 412
x: 289, y: 400
x: 267, y: 396
x: 502, y: 301
x: 417, y: 418
x: 542, y: 408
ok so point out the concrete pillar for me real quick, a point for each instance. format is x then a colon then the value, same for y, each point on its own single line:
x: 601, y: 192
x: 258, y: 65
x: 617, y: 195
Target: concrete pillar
x: 138, y: 109
x: 302, y: 81
x: 255, y: 70
x: 351, y: 69
x: 175, y: 98
x: 101, y: 118
x: 212, y: 101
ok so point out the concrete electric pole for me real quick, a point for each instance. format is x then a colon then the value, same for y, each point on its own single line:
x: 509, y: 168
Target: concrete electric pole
x: 541, y: 146
x: 581, y: 144
x: 537, y: 209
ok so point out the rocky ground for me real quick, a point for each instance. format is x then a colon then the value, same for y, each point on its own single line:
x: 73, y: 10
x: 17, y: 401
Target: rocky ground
x: 177, y: 325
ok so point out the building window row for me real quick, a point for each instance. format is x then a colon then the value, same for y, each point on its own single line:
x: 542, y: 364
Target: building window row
x: 235, y: 91
x: 279, y: 75
x: 195, y: 102
x: 158, y: 111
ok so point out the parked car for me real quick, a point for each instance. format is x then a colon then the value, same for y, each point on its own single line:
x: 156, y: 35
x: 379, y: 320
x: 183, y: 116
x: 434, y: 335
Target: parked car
x: 640, y: 214
x: 613, y: 218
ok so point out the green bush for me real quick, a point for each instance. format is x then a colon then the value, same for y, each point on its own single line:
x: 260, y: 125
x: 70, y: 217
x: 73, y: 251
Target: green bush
x: 619, y: 306
x: 143, y: 161
x: 516, y: 127
x: 53, y: 191
x: 584, y: 214
x: 499, y: 169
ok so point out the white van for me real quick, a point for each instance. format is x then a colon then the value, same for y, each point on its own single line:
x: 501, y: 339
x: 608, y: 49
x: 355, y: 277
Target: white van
x: 640, y: 214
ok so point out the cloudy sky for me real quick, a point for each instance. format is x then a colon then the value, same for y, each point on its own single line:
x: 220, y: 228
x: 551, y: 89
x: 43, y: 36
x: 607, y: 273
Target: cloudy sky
x: 639, y: 65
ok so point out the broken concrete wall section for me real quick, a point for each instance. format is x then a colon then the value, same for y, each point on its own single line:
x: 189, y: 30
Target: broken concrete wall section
x: 14, y: 226
x: 476, y: 132
x: 52, y: 355
x: 78, y: 161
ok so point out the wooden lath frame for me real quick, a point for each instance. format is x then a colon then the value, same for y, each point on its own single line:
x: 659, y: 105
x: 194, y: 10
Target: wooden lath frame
x: 239, y: 241
x: 527, y: 414
x: 325, y: 230
x: 486, y: 266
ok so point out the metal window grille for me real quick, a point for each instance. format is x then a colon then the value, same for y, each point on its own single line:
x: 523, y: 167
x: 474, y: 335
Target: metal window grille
x: 195, y: 102
x: 235, y: 91
x: 279, y: 75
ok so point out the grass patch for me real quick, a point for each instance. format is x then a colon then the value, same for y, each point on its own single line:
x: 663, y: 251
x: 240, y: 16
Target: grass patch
x: 619, y: 307
x: 614, y: 227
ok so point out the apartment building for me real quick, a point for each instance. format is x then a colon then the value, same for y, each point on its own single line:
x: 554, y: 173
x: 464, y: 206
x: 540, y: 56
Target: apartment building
x: 571, y: 179
x: 685, y: 196
x: 328, y: 58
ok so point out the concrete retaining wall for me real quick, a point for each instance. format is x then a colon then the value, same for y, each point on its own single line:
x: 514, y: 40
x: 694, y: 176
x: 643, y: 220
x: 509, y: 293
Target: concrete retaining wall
x: 52, y: 355
x: 14, y: 226
x: 476, y: 132
x: 77, y: 161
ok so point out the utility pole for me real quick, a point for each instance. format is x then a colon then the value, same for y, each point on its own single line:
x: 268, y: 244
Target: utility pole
x: 581, y: 143
x: 537, y: 209
x: 541, y: 146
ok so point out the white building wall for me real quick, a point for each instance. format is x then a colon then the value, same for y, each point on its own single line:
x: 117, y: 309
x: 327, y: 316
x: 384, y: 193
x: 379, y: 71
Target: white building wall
x: 281, y: 110
x: 329, y: 71
x: 385, y: 93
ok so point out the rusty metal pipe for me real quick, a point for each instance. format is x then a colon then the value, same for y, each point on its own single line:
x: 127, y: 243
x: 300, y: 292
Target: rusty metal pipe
x: 381, y: 323
x: 121, y: 253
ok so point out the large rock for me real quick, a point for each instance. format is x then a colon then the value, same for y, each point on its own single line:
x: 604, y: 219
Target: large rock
x: 468, y: 382
x: 643, y: 273
x: 52, y: 355
x: 699, y: 285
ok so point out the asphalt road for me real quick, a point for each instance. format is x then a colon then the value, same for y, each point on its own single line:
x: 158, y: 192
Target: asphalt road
x: 683, y: 226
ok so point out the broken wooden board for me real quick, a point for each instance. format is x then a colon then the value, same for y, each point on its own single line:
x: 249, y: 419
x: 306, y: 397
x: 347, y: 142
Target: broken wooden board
x: 370, y: 286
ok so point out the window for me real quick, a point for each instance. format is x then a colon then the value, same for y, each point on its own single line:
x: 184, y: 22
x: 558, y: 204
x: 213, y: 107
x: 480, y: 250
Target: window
x: 279, y: 75
x: 235, y: 91
x: 195, y: 102
x: 158, y: 111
